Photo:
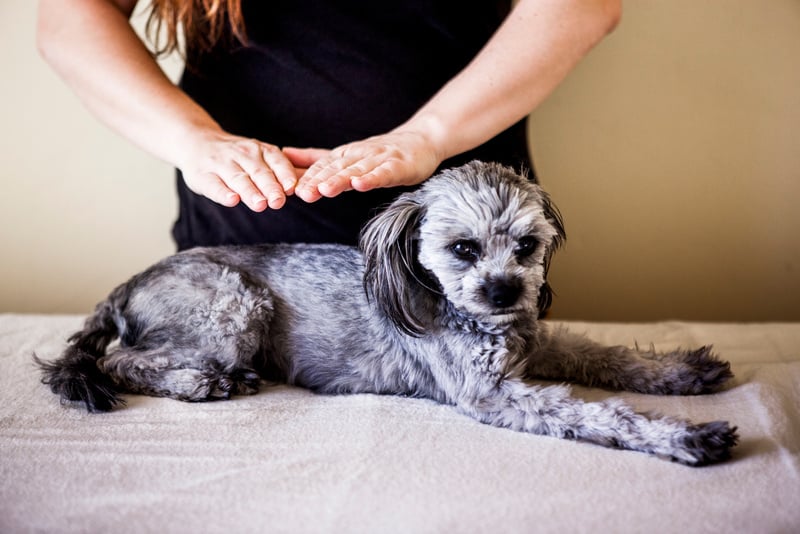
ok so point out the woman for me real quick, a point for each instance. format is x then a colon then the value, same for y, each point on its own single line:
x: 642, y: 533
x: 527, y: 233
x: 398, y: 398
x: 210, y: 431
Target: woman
x: 295, y: 119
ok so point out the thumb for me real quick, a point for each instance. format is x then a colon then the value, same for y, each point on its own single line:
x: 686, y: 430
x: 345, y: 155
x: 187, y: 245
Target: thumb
x: 304, y: 157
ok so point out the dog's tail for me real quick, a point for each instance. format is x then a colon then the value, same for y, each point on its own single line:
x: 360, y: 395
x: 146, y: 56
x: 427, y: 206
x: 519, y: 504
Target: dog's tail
x: 75, y: 376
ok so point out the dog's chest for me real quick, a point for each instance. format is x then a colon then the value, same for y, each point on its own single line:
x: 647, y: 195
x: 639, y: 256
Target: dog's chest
x: 488, y: 355
x: 495, y: 356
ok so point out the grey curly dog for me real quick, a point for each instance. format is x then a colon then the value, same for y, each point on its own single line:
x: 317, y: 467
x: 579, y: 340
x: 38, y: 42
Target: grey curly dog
x: 442, y: 302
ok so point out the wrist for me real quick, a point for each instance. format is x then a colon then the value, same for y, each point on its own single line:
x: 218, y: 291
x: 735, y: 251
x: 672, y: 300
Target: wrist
x: 190, y: 136
x: 433, y: 131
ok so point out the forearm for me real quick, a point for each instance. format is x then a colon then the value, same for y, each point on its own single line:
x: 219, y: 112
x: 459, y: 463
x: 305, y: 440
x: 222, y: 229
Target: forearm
x: 92, y: 46
x: 540, y: 42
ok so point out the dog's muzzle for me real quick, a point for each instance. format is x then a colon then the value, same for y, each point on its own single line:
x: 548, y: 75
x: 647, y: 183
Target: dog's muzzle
x: 503, y: 293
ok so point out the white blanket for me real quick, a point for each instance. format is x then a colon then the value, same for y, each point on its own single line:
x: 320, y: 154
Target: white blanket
x: 287, y: 460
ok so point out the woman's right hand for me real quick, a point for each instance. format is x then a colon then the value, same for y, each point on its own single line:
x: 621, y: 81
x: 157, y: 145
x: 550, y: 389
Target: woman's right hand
x: 96, y: 51
x: 229, y: 169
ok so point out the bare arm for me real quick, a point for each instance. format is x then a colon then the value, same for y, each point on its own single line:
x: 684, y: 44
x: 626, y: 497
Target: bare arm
x: 92, y: 46
x: 530, y: 54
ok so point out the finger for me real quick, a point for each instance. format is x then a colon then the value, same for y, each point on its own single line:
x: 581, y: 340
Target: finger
x: 264, y: 170
x: 329, y: 187
x: 307, y: 192
x: 282, y: 168
x: 260, y: 173
x: 241, y: 183
x: 333, y: 175
x: 269, y: 187
x: 344, y: 179
x: 378, y: 165
x: 335, y: 185
x: 387, y: 174
x: 308, y: 185
x: 304, y: 157
x: 213, y: 188
x: 299, y: 172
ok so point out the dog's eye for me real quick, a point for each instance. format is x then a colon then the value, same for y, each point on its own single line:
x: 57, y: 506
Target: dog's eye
x: 526, y: 246
x: 466, y: 250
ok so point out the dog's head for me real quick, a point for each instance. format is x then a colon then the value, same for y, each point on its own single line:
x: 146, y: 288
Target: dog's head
x: 480, y: 236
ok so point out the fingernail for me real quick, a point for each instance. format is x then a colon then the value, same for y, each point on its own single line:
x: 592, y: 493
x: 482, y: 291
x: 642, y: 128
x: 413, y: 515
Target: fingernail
x: 277, y: 202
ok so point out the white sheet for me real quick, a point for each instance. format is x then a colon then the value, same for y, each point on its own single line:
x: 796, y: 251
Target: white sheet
x: 287, y: 460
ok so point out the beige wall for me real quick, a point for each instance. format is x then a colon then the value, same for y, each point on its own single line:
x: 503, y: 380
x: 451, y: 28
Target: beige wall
x: 673, y: 153
x: 81, y: 209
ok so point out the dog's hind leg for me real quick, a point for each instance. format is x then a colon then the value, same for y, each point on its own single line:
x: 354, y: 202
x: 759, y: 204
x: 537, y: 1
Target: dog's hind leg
x: 571, y: 357
x: 196, y: 331
x: 182, y: 374
x: 213, y: 353
x: 191, y: 327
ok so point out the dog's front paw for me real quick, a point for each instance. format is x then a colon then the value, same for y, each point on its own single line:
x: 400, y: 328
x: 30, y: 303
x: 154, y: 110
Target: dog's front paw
x: 695, y: 372
x: 705, y: 444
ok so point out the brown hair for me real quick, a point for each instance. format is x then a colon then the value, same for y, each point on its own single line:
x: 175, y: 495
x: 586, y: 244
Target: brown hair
x: 204, y: 24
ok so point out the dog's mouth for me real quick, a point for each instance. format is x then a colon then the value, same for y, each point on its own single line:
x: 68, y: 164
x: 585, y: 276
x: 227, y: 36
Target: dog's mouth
x: 505, y: 315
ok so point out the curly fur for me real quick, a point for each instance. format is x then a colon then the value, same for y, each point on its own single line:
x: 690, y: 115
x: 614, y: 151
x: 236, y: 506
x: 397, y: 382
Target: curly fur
x: 441, y: 302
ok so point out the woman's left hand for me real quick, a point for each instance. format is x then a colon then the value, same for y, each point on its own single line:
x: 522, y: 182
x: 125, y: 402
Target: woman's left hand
x: 393, y: 159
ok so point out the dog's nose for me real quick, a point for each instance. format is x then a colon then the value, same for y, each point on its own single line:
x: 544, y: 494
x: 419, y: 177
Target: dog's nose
x: 503, y: 293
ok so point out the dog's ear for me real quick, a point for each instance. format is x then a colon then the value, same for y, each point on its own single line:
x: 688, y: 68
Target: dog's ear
x: 391, y: 277
x: 553, y: 216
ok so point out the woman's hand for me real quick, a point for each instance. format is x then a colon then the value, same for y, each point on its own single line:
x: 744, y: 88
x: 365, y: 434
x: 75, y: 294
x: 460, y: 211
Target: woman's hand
x: 96, y: 51
x: 534, y: 49
x: 229, y: 169
x: 388, y: 160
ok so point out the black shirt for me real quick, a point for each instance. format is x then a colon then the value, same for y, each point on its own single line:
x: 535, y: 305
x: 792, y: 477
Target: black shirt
x: 320, y: 73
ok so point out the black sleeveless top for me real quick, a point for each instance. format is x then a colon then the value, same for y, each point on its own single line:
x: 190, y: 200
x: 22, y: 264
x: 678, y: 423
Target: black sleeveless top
x: 320, y: 73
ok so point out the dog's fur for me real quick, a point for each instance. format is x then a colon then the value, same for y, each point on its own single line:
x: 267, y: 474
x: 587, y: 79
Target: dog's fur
x: 442, y: 304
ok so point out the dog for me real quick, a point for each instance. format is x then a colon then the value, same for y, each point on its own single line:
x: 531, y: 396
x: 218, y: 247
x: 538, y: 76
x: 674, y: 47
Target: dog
x: 442, y: 302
